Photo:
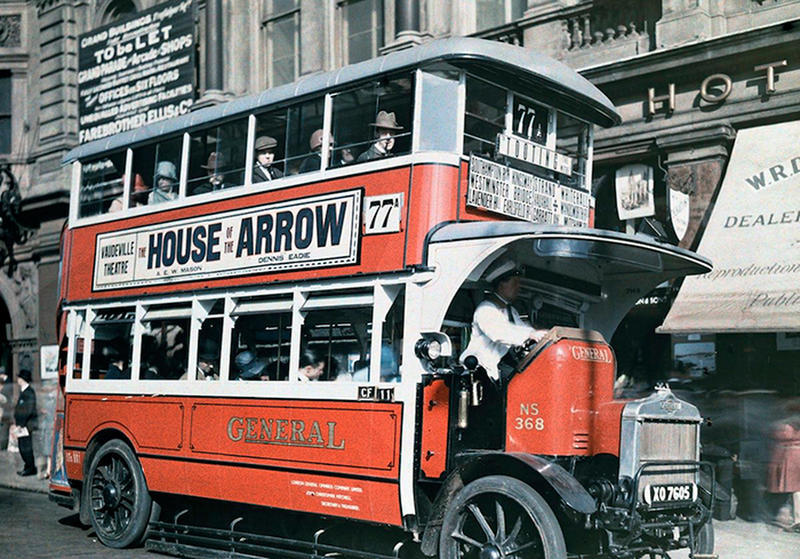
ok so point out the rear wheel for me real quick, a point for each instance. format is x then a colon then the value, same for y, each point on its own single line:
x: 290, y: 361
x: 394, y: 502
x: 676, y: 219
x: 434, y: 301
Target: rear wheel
x: 500, y: 517
x: 120, y: 503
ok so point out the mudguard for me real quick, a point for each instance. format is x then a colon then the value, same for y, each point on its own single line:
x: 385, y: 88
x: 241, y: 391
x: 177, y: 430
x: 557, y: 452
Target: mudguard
x: 547, y: 477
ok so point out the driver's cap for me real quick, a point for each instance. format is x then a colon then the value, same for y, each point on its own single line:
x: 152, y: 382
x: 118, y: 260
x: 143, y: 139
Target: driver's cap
x: 502, y: 271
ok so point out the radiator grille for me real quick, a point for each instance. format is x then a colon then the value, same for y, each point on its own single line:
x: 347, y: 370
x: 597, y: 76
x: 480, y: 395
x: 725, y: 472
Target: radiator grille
x: 667, y: 440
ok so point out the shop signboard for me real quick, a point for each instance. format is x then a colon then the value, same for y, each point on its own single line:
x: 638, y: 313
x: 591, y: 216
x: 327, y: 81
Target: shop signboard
x: 752, y: 240
x: 136, y: 71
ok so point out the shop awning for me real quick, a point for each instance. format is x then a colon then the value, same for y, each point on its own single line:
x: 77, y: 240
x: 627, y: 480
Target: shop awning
x: 753, y: 241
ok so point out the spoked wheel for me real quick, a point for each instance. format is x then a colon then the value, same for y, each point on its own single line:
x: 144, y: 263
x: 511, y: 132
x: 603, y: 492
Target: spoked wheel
x: 120, y: 502
x: 499, y: 517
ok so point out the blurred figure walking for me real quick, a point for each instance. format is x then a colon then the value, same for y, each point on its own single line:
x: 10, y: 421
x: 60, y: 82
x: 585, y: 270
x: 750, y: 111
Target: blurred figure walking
x: 783, y: 472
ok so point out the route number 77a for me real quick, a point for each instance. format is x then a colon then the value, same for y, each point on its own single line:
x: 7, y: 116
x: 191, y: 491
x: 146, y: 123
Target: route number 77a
x: 382, y: 214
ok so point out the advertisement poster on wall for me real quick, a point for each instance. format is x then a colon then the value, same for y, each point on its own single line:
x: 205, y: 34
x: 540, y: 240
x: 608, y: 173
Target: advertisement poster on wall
x: 634, y: 186
x: 136, y: 71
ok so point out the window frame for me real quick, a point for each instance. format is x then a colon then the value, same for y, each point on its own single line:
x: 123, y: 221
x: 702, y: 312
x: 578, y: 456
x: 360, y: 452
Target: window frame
x: 269, y: 18
x: 508, y: 128
x: 380, y: 294
x: 377, y: 40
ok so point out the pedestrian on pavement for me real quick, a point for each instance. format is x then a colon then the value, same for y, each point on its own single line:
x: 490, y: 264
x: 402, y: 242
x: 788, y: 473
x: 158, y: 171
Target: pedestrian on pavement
x: 7, y: 406
x: 26, y: 420
x: 783, y: 471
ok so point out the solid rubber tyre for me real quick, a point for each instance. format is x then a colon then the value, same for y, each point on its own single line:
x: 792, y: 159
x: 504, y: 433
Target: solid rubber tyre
x: 500, y: 516
x: 119, y: 501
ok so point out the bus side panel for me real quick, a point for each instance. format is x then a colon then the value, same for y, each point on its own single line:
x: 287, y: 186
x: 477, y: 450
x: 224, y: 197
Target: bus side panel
x: 331, y: 495
x: 432, y: 201
x: 378, y: 252
x: 361, y: 438
x: 150, y: 424
x: 435, y: 418
x: 328, y: 457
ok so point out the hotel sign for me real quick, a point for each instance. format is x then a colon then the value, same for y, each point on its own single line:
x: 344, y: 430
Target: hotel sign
x: 299, y: 234
x: 501, y: 189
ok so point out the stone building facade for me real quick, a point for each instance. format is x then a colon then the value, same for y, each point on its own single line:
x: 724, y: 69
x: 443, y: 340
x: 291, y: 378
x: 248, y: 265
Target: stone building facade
x: 685, y: 75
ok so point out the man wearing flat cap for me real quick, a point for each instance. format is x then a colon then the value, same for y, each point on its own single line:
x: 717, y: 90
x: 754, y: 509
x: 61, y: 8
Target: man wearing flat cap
x: 496, y: 324
x: 386, y: 128
x: 265, y: 155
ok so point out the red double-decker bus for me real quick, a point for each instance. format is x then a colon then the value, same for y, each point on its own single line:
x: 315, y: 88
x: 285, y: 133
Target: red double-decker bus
x: 264, y: 304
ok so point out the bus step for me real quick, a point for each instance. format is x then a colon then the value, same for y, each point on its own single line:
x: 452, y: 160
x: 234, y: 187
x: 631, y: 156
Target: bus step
x: 209, y: 543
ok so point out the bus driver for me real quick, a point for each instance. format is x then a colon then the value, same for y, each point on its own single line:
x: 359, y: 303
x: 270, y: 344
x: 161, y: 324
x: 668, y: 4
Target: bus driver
x: 496, y: 324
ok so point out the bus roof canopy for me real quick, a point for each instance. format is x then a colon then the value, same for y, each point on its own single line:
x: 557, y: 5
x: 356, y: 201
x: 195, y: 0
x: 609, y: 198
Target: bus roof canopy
x: 522, y: 69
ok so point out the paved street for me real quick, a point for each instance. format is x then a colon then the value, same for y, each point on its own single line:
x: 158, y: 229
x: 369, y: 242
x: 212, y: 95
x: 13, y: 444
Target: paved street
x: 35, y: 528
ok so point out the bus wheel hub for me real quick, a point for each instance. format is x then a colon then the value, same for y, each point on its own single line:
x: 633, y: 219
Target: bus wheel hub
x: 110, y: 495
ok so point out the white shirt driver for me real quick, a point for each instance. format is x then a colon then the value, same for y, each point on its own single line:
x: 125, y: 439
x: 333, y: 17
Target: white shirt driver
x: 493, y: 334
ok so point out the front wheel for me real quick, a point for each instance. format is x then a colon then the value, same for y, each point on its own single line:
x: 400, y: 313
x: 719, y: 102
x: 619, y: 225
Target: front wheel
x: 120, y: 503
x: 500, y: 517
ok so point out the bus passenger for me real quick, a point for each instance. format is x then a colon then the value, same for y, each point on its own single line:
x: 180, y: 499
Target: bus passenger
x: 385, y: 127
x: 496, y: 324
x: 166, y: 183
x: 248, y: 366
x: 117, y: 368
x: 312, y: 365
x: 207, y: 359
x: 216, y: 178
x: 265, y: 155
x: 314, y: 161
x: 138, y: 196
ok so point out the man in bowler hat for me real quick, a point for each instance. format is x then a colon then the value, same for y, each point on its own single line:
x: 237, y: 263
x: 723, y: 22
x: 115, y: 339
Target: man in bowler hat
x: 386, y: 128
x: 26, y: 420
x: 263, y: 170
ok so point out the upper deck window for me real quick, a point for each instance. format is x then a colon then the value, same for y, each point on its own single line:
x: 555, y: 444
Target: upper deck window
x: 304, y: 137
x: 101, y: 184
x: 372, y: 121
x: 156, y: 172
x: 485, y: 116
x: 523, y: 133
x: 217, y: 157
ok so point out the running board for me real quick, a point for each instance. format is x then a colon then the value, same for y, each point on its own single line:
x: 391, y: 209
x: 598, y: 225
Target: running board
x: 210, y: 543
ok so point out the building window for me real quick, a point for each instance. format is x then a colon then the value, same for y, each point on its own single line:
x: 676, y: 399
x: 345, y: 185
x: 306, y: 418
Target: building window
x: 118, y: 9
x: 362, y: 29
x: 281, y: 27
x: 493, y: 13
x: 5, y: 112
